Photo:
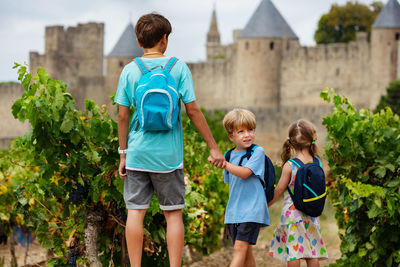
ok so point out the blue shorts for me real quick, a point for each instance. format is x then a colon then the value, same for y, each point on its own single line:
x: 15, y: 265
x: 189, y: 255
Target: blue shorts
x: 247, y: 231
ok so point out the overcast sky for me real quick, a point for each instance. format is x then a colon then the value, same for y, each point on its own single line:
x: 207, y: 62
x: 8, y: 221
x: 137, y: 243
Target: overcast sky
x: 23, y: 22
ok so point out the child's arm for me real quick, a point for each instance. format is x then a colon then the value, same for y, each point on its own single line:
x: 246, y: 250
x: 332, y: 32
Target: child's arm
x: 123, y: 128
x: 239, y: 171
x: 283, y: 183
x: 196, y: 116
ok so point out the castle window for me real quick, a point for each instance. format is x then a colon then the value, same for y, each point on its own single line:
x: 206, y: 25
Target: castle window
x: 247, y: 45
x: 337, y: 72
x: 121, y: 64
x: 271, y: 45
x: 397, y: 36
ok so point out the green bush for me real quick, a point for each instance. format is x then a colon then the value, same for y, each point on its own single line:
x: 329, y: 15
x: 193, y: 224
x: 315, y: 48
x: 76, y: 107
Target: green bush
x: 391, y: 99
x: 363, y: 151
x: 68, y: 150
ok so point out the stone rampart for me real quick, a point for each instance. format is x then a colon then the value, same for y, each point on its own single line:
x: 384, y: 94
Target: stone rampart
x: 10, y: 127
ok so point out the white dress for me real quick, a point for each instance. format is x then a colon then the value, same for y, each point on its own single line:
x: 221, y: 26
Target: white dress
x: 298, y: 235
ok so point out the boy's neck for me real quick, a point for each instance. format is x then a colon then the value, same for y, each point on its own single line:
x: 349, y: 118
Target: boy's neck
x: 152, y: 53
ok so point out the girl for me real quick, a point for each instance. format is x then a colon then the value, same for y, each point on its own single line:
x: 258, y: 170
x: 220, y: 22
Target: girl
x: 297, y: 236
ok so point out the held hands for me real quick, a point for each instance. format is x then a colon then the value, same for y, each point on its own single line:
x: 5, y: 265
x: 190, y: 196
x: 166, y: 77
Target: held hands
x: 216, y: 158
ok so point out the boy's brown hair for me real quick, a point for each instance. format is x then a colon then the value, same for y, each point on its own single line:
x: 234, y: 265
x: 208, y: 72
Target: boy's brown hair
x: 239, y: 117
x: 150, y: 28
x: 301, y: 134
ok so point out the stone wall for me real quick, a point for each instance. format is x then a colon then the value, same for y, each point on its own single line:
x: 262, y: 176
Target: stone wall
x: 74, y: 55
x: 10, y: 127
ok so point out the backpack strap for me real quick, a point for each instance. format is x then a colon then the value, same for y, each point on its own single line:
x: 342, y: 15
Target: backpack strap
x: 317, y: 161
x: 142, y: 67
x: 297, y: 162
x: 170, y: 64
x: 249, y: 152
x: 228, y: 154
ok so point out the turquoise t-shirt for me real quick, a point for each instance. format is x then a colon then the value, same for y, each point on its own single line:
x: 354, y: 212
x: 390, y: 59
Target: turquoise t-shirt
x: 160, y: 151
x: 247, y: 202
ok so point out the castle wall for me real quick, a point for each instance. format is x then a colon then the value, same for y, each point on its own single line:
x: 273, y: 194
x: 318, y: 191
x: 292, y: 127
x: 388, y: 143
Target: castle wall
x: 257, y: 74
x: 73, y: 55
x: 212, y: 84
x: 306, y: 71
x: 10, y: 127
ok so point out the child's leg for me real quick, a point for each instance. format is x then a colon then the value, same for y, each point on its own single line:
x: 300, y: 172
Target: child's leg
x: 134, y: 236
x: 175, y: 236
x: 312, y: 262
x: 250, y: 261
x: 239, y: 253
x: 295, y: 263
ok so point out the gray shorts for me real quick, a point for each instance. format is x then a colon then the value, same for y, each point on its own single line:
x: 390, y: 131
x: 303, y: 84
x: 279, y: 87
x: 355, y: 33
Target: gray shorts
x: 169, y: 187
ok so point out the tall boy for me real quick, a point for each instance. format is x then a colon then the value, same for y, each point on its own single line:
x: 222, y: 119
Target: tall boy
x: 154, y: 159
x: 247, y: 210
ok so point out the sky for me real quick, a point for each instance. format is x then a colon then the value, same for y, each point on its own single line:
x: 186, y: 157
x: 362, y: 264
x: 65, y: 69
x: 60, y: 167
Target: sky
x: 23, y: 22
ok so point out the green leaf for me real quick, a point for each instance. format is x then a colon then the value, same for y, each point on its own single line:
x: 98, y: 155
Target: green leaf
x: 395, y: 183
x: 43, y: 76
x: 75, y: 138
x: 373, y: 212
x: 380, y: 172
x: 67, y: 125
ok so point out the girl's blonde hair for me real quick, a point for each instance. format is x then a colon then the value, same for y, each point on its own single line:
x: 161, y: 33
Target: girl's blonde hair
x: 237, y: 118
x: 302, y: 134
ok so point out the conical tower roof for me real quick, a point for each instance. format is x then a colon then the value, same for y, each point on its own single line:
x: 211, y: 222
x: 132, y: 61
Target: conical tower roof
x: 213, y: 33
x: 389, y: 16
x: 127, y: 45
x: 267, y: 22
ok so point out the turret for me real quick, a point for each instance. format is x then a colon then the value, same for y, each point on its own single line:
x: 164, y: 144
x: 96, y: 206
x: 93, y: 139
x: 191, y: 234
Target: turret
x: 213, y: 38
x: 385, y: 42
x: 260, y: 48
x: 124, y: 51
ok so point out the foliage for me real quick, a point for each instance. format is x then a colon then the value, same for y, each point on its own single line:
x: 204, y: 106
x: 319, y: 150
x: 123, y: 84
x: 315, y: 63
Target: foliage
x: 65, y: 168
x: 341, y: 23
x: 363, y: 151
x: 391, y: 99
x: 6, y: 83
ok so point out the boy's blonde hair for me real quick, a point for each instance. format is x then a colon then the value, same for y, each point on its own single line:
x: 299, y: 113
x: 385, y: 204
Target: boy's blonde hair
x: 239, y: 118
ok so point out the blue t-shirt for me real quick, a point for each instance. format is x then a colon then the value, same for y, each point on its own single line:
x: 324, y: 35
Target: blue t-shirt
x: 247, y: 202
x: 160, y: 151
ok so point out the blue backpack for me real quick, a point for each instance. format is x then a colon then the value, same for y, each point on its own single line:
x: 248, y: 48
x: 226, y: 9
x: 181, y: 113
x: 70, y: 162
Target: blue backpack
x: 309, y: 192
x: 157, y: 98
x: 269, y: 171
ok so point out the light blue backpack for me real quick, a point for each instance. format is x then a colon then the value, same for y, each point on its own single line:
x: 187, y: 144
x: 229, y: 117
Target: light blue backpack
x: 157, y: 99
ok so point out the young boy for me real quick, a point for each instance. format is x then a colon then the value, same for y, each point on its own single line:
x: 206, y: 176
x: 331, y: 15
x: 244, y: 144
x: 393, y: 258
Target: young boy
x: 247, y: 210
x: 154, y: 159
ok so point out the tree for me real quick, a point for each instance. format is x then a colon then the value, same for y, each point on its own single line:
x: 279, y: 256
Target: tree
x: 391, y: 99
x: 341, y: 23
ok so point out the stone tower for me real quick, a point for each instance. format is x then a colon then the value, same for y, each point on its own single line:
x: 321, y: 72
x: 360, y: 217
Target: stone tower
x: 74, y: 55
x: 124, y: 51
x: 213, y: 38
x: 259, y: 55
x: 385, y: 42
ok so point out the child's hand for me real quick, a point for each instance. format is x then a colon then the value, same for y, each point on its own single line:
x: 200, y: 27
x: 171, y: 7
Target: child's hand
x: 216, y: 158
x: 121, y: 169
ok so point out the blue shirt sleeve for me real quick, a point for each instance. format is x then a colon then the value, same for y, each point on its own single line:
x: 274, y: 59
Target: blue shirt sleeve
x: 122, y: 95
x: 256, y: 163
x: 185, y: 87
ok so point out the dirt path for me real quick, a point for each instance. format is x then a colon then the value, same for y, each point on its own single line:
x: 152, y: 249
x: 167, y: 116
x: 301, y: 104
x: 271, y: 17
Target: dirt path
x: 36, y: 254
x: 223, y: 257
